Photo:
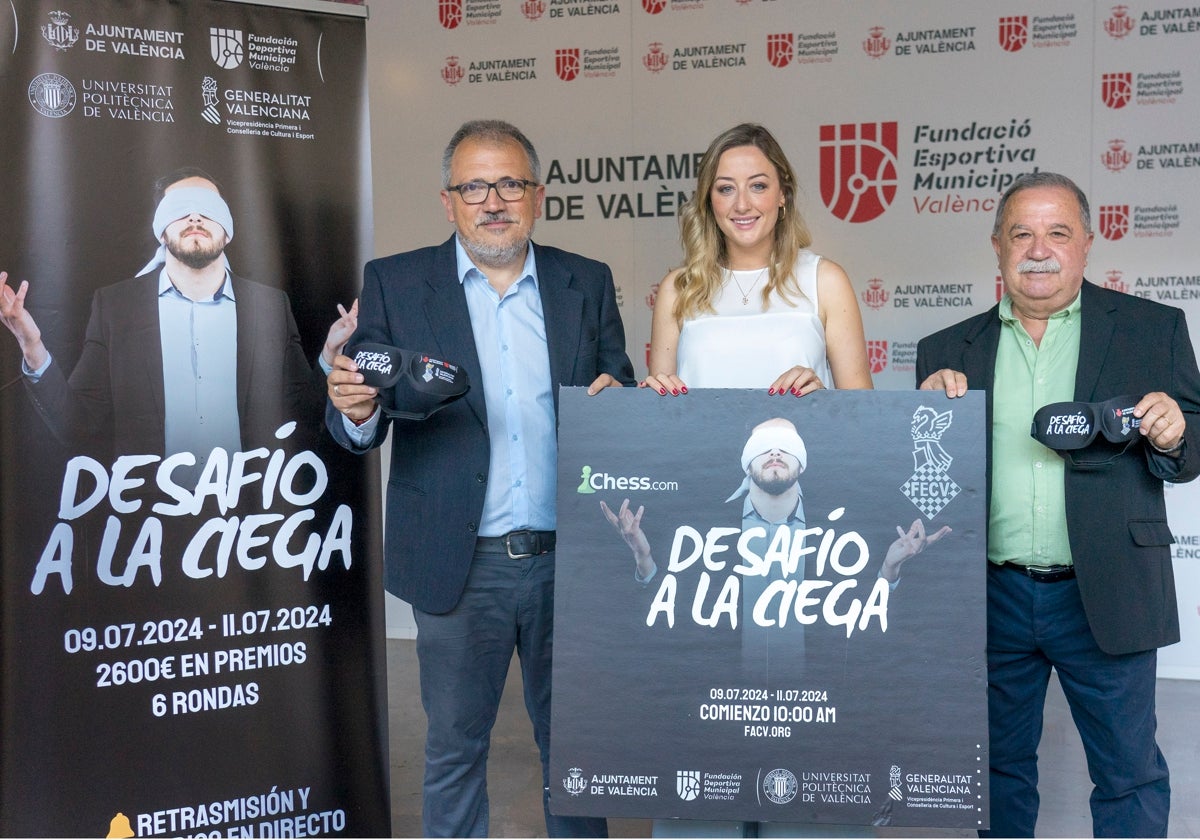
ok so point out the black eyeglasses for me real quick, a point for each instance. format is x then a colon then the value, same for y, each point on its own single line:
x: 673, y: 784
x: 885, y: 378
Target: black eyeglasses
x: 476, y: 192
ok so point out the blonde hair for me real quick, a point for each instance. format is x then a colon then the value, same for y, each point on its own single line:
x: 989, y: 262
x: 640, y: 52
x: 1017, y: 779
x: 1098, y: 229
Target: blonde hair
x: 703, y: 243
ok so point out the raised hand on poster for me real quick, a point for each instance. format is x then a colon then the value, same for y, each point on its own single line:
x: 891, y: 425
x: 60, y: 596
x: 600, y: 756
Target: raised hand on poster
x: 340, y: 332
x: 20, y: 323
x: 909, y: 544
x: 629, y: 526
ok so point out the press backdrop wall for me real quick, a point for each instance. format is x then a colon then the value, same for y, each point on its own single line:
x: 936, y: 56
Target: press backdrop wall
x: 904, y: 121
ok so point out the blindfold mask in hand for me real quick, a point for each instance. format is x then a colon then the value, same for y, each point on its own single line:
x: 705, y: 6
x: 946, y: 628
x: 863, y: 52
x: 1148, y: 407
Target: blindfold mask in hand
x: 411, y: 385
x: 1088, y: 434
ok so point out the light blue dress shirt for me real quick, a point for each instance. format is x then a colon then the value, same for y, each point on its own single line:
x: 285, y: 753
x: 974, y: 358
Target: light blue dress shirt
x: 510, y: 338
x: 199, y: 352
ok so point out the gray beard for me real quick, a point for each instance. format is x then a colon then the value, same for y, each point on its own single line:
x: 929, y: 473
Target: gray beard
x: 495, y: 256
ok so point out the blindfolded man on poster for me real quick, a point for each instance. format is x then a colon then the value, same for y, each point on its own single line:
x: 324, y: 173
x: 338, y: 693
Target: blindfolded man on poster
x: 471, y: 505
x: 1080, y: 578
x: 186, y: 358
x: 772, y: 461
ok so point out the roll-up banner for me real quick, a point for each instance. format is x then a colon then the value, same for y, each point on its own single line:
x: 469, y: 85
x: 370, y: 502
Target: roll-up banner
x: 191, y: 635
x: 774, y: 612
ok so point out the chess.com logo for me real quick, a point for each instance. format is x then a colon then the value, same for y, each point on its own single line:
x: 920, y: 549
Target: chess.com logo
x: 592, y: 480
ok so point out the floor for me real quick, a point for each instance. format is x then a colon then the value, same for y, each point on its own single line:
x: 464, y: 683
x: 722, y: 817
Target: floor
x: 514, y: 782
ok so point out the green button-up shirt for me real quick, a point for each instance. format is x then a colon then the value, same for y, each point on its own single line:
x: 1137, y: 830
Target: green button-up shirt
x: 1027, y: 522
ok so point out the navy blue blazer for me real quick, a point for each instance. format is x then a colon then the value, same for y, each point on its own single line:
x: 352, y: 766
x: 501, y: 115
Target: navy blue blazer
x: 114, y: 397
x: 1116, y: 515
x: 439, y: 466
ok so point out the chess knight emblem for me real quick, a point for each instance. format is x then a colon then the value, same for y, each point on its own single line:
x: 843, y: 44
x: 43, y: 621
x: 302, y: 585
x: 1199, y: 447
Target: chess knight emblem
x: 930, y: 487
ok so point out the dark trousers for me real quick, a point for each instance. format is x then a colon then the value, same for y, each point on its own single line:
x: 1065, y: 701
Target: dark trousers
x: 464, y: 657
x: 1033, y: 627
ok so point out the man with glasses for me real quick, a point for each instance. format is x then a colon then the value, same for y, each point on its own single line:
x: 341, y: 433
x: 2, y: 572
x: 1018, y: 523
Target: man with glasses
x: 471, y: 499
x: 1080, y: 576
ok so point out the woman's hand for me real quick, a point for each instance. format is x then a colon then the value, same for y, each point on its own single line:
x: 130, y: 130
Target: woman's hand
x: 664, y: 383
x: 797, y: 381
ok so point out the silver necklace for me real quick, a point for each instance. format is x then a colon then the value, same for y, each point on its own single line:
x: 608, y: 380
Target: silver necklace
x: 746, y: 292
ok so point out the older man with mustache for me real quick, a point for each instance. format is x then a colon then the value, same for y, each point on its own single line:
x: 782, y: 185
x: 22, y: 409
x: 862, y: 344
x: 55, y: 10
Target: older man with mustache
x: 1079, y: 578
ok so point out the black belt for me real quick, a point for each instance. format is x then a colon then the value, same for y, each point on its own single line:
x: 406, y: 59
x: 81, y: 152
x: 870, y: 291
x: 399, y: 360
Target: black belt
x: 517, y: 544
x: 1049, y: 574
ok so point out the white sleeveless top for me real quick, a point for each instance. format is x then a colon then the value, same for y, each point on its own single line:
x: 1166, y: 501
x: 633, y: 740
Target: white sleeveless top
x: 748, y: 346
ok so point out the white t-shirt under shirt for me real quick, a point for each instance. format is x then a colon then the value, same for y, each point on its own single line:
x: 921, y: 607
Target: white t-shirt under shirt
x: 748, y: 346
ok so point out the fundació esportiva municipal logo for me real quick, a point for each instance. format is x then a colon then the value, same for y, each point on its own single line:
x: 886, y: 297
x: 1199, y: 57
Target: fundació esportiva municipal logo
x: 574, y: 783
x: 930, y: 487
x: 1116, y: 89
x: 1114, y: 221
x: 877, y: 354
x: 567, y: 64
x: 226, y: 47
x: 450, y: 13
x: 780, y: 786
x: 1013, y: 32
x: 52, y: 95
x: 781, y: 49
x: 859, y: 169
x: 687, y: 784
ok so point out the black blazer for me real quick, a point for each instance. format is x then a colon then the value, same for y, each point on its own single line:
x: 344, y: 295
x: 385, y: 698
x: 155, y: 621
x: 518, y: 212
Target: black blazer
x: 114, y: 396
x: 1116, y: 515
x: 439, y: 466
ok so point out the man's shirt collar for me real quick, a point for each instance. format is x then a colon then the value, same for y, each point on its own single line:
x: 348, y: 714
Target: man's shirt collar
x: 465, y: 266
x: 797, y: 514
x: 1007, y: 316
x: 165, y: 285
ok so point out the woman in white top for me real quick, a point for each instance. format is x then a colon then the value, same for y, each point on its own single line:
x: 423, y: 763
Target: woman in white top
x: 752, y: 306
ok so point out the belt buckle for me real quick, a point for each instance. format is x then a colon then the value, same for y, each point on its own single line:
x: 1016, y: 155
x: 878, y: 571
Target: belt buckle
x: 1043, y: 571
x: 508, y: 545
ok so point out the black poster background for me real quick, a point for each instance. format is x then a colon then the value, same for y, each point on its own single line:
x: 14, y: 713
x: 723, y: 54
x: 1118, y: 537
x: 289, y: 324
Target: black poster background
x: 906, y: 742
x: 309, y: 752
